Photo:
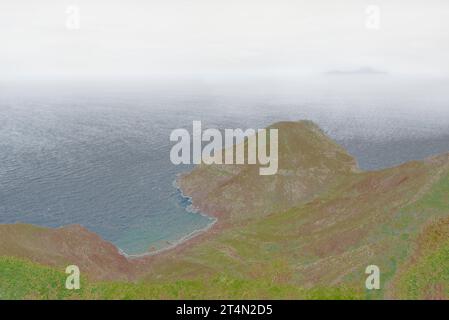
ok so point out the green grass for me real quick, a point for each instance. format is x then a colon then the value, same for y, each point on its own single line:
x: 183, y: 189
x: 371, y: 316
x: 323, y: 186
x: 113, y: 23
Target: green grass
x: 25, y: 280
x: 428, y: 278
x: 436, y: 199
x: 220, y: 287
x: 20, y: 279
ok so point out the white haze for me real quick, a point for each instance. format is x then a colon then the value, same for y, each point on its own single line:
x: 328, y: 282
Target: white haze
x: 151, y: 39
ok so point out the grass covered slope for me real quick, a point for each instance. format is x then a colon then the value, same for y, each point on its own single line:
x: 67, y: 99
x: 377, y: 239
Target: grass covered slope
x: 309, y: 163
x: 326, y: 242
x: 426, y: 274
x: 352, y: 220
x: 307, y: 232
x: 21, y: 279
x: 65, y: 246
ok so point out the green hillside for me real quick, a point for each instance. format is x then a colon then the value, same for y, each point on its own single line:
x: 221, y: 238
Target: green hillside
x: 20, y: 279
x: 308, y: 232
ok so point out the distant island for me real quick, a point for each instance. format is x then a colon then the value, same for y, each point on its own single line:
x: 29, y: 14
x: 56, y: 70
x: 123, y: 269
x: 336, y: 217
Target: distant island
x: 359, y: 71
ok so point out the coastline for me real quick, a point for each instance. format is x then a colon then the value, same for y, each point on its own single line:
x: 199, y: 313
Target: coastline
x: 182, y: 240
x: 67, y: 239
x: 101, y: 259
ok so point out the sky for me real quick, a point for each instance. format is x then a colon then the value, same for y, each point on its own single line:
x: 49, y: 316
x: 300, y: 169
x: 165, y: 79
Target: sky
x: 115, y: 39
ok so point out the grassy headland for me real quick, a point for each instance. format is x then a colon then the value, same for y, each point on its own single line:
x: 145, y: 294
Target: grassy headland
x: 307, y: 232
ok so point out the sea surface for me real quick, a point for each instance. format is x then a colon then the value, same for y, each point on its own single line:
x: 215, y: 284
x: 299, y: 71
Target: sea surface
x: 99, y: 156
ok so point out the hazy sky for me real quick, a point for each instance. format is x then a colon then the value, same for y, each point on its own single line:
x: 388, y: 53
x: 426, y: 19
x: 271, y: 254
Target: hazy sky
x: 147, y: 38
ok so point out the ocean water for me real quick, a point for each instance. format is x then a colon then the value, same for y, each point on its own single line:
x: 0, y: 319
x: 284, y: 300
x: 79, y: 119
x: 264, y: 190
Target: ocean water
x: 100, y: 157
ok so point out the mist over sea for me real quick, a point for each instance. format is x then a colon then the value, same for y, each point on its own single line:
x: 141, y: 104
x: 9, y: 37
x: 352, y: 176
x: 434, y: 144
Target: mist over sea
x: 99, y: 156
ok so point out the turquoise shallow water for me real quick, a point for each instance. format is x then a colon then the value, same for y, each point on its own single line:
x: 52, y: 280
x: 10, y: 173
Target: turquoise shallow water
x: 102, y: 159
